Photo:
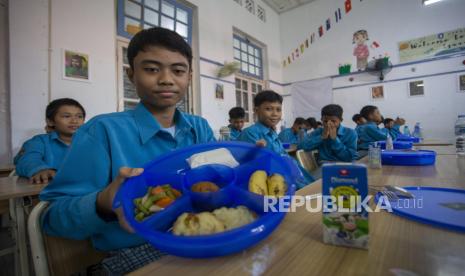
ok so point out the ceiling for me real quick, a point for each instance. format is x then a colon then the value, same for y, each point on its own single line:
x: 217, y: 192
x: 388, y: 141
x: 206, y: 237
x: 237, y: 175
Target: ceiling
x: 281, y: 6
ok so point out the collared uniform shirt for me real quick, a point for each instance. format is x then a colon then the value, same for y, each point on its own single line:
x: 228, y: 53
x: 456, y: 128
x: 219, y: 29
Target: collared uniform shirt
x: 41, y: 152
x: 99, y: 149
x: 343, y: 148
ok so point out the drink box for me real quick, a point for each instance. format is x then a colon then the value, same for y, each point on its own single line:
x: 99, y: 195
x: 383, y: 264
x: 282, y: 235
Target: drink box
x: 345, y: 220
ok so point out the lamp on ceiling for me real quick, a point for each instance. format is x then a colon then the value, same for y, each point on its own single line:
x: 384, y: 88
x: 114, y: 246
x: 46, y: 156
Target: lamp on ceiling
x: 430, y: 2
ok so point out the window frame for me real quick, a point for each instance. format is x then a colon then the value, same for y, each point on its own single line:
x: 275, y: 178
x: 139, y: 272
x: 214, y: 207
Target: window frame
x: 260, y: 57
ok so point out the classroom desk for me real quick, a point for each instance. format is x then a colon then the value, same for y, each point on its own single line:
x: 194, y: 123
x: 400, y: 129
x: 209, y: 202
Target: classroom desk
x: 433, y: 142
x: 16, y: 190
x: 440, y: 150
x: 397, y: 246
x: 6, y: 169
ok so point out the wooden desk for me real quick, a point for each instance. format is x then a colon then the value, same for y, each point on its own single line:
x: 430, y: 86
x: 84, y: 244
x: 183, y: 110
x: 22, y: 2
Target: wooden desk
x: 6, y: 169
x: 440, y: 150
x: 15, y: 189
x: 396, y: 244
x: 433, y: 142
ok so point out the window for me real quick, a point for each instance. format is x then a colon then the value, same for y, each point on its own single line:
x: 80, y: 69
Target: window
x: 261, y: 13
x: 135, y: 15
x: 249, y: 56
x: 246, y: 90
x: 250, y: 6
x: 132, y: 15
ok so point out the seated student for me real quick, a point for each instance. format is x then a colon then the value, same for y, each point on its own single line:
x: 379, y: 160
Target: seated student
x: 360, y: 121
x: 268, y: 108
x: 236, y: 122
x: 42, y: 155
x: 334, y: 142
x: 113, y: 147
x: 312, y: 123
x: 291, y: 135
x: 370, y: 132
x: 391, y: 127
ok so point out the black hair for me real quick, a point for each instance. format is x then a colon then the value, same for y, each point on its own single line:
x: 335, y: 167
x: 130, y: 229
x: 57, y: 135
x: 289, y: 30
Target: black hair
x: 237, y: 113
x: 312, y: 122
x: 158, y: 37
x: 300, y: 121
x: 387, y: 121
x: 356, y: 117
x: 52, y: 108
x: 332, y: 110
x: 267, y: 96
x: 367, y: 111
x: 319, y: 123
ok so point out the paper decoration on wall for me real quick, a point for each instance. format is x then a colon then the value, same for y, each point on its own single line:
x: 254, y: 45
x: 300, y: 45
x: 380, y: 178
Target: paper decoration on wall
x: 338, y: 15
x: 76, y: 66
x: 432, y: 45
x: 327, y: 24
x: 348, y: 6
x: 374, y: 45
x: 361, y: 51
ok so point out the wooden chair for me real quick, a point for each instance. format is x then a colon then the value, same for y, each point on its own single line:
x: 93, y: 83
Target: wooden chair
x: 55, y: 255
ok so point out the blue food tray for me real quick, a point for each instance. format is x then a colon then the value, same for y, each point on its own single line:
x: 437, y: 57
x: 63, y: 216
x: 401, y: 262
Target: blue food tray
x: 397, y: 144
x: 172, y: 168
x: 441, y: 207
x: 408, y: 157
x: 406, y: 138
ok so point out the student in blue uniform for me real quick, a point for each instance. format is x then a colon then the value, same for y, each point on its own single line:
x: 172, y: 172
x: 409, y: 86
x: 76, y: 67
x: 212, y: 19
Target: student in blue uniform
x: 391, y: 127
x: 236, y: 122
x: 291, y: 135
x: 41, y: 156
x: 360, y: 121
x: 370, y: 132
x: 334, y: 142
x: 268, y: 108
x: 113, y: 147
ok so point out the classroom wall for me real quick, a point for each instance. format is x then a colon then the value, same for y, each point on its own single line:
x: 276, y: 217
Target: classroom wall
x: 5, y: 152
x: 216, y: 22
x: 41, y: 27
x: 387, y: 22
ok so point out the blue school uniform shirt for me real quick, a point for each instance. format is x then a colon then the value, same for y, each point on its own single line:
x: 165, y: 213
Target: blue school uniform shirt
x: 41, y: 152
x: 234, y: 133
x: 393, y: 132
x: 258, y: 131
x: 343, y: 148
x: 288, y: 136
x: 370, y: 132
x: 100, y: 148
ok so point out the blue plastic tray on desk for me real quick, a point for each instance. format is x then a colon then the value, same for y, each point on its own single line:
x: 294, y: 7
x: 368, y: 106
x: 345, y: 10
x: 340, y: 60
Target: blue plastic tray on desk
x: 172, y: 168
x: 406, y: 138
x: 408, y: 157
x: 397, y: 144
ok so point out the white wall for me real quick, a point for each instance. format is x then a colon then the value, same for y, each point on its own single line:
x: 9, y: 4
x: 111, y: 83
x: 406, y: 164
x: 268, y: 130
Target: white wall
x: 216, y: 22
x: 5, y: 152
x: 36, y: 76
x: 387, y: 22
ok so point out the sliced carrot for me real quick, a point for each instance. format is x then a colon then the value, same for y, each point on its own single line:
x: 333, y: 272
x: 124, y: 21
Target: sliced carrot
x: 176, y: 192
x: 164, y: 202
x: 157, y: 190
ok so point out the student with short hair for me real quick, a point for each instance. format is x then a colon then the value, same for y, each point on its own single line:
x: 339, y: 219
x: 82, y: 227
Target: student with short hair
x: 268, y: 109
x: 334, y: 142
x: 113, y: 147
x: 291, y: 135
x: 236, y: 122
x: 370, y: 132
x: 41, y: 156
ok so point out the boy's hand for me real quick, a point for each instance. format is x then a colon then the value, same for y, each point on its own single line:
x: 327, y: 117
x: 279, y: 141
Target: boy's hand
x: 399, y: 121
x: 106, y: 196
x: 261, y: 143
x: 332, y: 131
x: 42, y: 177
x: 325, y: 133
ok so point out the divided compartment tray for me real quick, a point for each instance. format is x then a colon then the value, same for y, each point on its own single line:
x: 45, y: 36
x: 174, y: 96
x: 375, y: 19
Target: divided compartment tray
x: 172, y: 168
x: 397, y: 144
x: 408, y: 157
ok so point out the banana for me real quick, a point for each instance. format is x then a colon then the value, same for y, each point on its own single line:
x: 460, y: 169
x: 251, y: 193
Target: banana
x: 257, y: 183
x: 276, y: 185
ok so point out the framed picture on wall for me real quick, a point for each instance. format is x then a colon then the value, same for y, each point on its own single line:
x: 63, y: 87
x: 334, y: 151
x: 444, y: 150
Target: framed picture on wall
x: 75, y: 66
x: 416, y: 88
x: 461, y: 83
x: 377, y: 93
x: 219, y: 92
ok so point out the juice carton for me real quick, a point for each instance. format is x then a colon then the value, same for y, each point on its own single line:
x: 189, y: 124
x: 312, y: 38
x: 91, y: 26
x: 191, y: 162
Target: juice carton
x: 345, y: 220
